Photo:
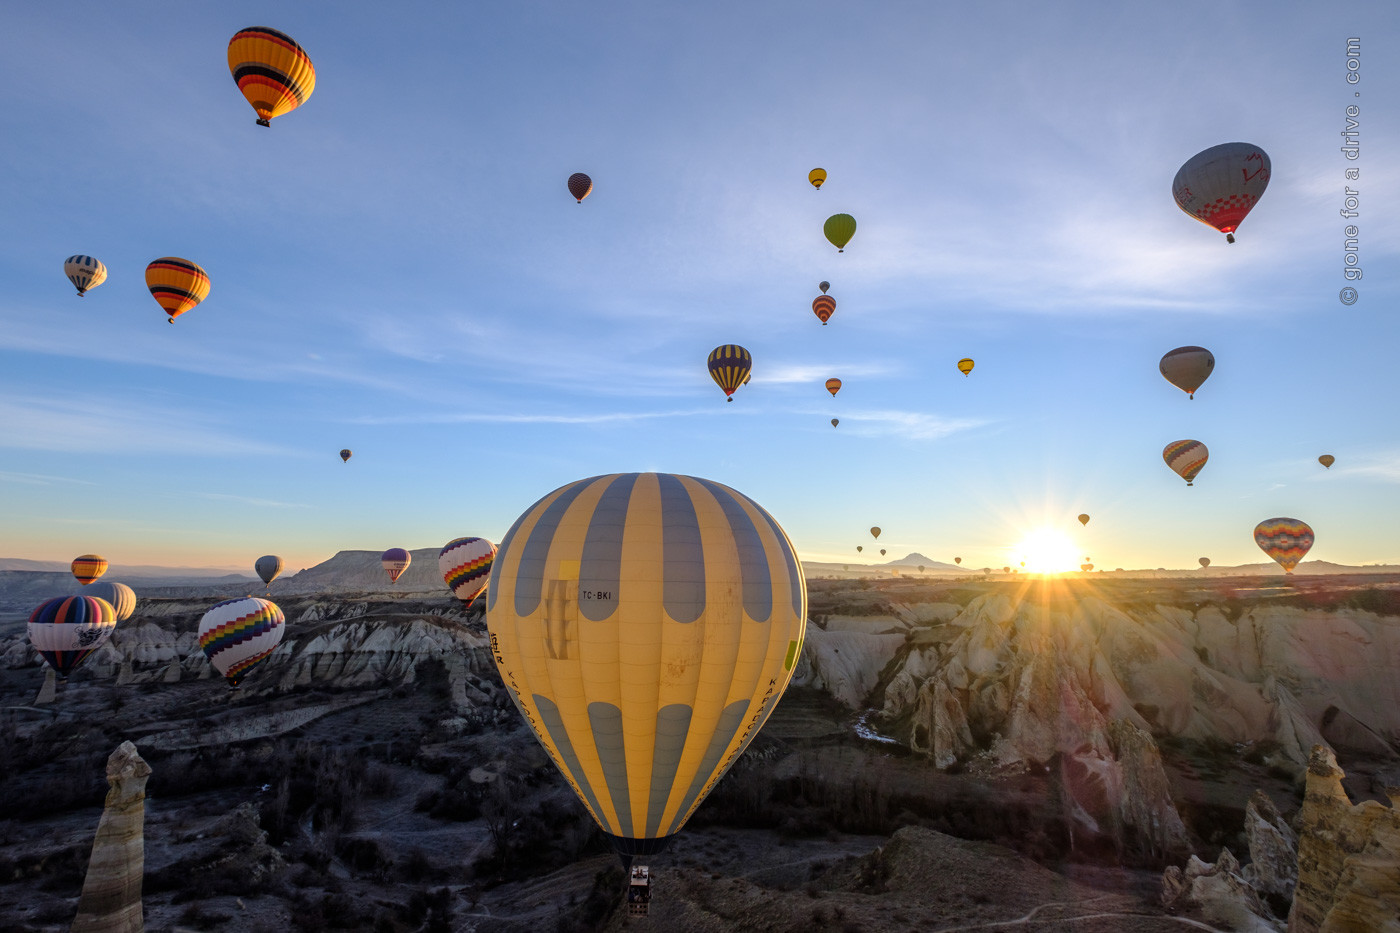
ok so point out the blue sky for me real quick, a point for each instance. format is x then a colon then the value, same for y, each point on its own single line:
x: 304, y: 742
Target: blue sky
x: 397, y: 268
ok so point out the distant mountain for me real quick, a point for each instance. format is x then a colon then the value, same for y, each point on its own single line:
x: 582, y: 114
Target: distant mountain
x: 122, y: 571
x: 361, y: 571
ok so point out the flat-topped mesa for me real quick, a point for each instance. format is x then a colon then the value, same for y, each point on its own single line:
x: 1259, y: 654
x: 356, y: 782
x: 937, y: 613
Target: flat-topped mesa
x: 111, y: 898
x: 1348, y: 856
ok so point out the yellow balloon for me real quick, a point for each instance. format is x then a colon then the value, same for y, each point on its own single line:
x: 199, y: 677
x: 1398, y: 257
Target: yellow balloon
x: 646, y: 625
x: 965, y: 365
x: 816, y: 176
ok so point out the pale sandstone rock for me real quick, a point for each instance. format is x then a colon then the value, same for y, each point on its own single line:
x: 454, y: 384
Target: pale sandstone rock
x: 1219, y: 892
x: 845, y: 664
x: 111, y: 898
x: 1273, y: 848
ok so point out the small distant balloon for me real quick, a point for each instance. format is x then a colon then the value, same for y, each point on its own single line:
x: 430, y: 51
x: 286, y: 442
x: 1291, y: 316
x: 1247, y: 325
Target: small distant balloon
x: 1186, y: 458
x: 239, y: 634
x: 274, y: 72
x: 67, y: 629
x: 839, y: 228
x: 395, y: 561
x: 1187, y: 367
x: 1086, y: 567
x: 268, y: 567
x: 1220, y: 185
x: 816, y: 176
x: 580, y: 186
x: 121, y: 597
x: 875, y: 531
x: 1327, y: 460
x: 1083, y: 518
x: 729, y: 367
x: 345, y: 455
x: 957, y: 560
x: 1204, y: 562
x: 835, y: 422
x: 824, y: 306
x: 882, y: 552
x: 823, y: 286
x: 965, y: 365
x: 833, y: 385
x: 88, y: 567
x: 1286, y: 540
x: 1006, y: 570
x: 176, y: 284
x: 859, y: 548
x: 84, y: 272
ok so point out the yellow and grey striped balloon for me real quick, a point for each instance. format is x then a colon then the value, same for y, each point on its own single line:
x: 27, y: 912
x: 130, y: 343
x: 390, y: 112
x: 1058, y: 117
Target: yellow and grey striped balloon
x: 646, y: 625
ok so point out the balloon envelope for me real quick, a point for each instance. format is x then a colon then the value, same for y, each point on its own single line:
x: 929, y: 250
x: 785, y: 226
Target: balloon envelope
x: 645, y: 624
x: 816, y: 176
x: 1187, y: 367
x: 1083, y: 518
x: 84, y: 272
x: 1186, y: 458
x: 119, y: 596
x: 272, y: 70
x: 835, y: 422
x: 823, y: 306
x: 965, y: 365
x: 729, y: 367
x: 823, y: 286
x: 875, y: 531
x: 957, y: 560
x: 268, y: 567
x: 1086, y: 567
x: 88, y: 568
x: 1286, y: 540
x: 465, y: 564
x: 345, y: 455
x: 839, y: 228
x: 66, y: 630
x: 580, y: 186
x: 882, y: 552
x: 176, y: 284
x: 239, y: 634
x: 1327, y: 460
x: 859, y: 548
x: 1220, y: 185
x: 833, y: 386
x: 1204, y: 562
x: 395, y: 561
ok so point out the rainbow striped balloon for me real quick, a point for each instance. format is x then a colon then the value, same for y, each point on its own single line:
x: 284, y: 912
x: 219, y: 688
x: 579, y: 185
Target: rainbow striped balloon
x: 1186, y: 458
x: 66, y: 630
x: 272, y: 70
x: 466, y: 566
x: 239, y: 634
x: 646, y: 624
x: 1286, y: 540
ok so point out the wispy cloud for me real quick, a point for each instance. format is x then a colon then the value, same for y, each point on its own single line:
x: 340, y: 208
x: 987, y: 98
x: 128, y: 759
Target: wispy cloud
x: 538, y: 418
x: 1385, y: 466
x: 251, y: 500
x: 911, y: 425
x: 40, y: 479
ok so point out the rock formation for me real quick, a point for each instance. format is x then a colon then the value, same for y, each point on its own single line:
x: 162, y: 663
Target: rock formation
x: 111, y: 898
x: 1348, y: 857
x: 1219, y: 892
x: 1273, y: 849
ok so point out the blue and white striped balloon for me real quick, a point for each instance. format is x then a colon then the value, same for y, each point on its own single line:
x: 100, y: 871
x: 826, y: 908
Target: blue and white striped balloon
x: 84, y: 272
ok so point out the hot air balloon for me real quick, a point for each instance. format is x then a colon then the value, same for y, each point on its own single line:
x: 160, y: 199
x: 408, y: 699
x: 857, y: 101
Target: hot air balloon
x: 859, y: 548
x: 84, y: 272
x: 1220, y: 185
x: 1083, y: 518
x: 1204, y: 562
x: 268, y: 568
x: 882, y: 552
x: 921, y: 568
x: 833, y: 386
x: 1006, y: 570
x: 645, y: 624
x: 875, y: 531
x: 88, y: 568
x: 1186, y: 458
x: 67, y: 629
x: 816, y: 176
x: 1327, y: 460
x: 239, y: 634
x: 466, y: 564
x: 1187, y: 367
x: 839, y: 228
x: 272, y: 71
x: 823, y: 286
x: 119, y: 596
x: 580, y: 186
x: 823, y: 306
x: 835, y: 422
x: 965, y: 365
x: 1086, y: 567
x: 395, y: 561
x: 345, y: 455
x: 957, y: 560
x: 1023, y: 563
x: 1286, y: 540
x: 176, y: 284
x: 729, y: 367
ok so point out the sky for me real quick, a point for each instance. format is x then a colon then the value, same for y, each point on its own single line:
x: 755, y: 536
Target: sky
x: 398, y: 268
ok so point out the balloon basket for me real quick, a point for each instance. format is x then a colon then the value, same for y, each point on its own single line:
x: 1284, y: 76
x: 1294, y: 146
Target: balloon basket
x: 638, y: 891
x: 1229, y: 238
x: 266, y: 123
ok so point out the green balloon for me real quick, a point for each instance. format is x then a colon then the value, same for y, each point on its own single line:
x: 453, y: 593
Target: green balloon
x: 839, y: 229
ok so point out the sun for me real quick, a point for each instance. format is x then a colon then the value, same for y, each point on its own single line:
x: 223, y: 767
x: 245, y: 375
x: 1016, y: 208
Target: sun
x: 1046, y: 550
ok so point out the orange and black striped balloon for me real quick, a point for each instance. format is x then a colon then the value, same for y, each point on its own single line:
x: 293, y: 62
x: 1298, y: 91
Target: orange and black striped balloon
x: 824, y: 306
x: 272, y: 70
x: 177, y: 284
x: 729, y: 367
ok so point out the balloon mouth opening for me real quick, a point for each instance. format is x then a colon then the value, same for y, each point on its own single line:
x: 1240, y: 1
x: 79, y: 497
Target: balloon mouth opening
x: 266, y: 123
x: 628, y: 848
